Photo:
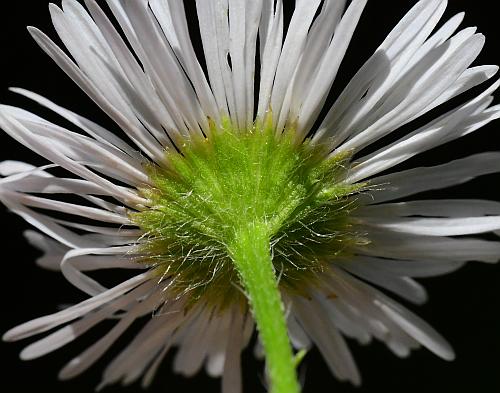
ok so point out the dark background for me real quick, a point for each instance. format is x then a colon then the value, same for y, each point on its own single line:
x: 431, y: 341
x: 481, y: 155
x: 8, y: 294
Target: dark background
x: 463, y: 306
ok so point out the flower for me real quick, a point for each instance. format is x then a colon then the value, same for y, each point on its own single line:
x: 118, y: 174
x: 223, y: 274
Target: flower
x: 200, y: 163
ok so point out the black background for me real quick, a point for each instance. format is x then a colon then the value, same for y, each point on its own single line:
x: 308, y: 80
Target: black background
x: 464, y: 306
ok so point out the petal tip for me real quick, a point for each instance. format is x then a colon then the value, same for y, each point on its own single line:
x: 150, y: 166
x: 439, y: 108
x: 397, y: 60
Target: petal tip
x: 10, y: 335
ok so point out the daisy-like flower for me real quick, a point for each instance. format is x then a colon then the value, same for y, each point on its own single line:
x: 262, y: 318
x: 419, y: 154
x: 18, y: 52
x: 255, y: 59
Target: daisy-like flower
x: 230, y: 202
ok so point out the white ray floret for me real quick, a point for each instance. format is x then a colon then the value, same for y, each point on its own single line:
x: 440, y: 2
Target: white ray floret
x: 161, y: 97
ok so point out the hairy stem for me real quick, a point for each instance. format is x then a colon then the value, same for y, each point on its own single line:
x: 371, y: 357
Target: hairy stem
x: 250, y: 252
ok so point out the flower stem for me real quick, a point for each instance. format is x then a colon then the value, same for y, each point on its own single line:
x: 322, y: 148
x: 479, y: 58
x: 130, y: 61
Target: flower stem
x: 250, y: 252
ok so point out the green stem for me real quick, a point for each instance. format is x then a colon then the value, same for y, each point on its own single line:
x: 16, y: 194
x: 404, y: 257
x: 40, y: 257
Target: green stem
x: 250, y: 251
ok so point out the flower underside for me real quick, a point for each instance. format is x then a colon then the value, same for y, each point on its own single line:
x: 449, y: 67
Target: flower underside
x: 219, y: 185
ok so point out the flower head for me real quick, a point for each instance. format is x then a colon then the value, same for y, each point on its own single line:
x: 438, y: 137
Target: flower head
x: 232, y: 201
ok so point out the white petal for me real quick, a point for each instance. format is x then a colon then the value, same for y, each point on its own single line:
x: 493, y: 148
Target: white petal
x: 214, y: 41
x: 97, y: 59
x: 71, y: 262
x: 48, y: 322
x: 53, y: 251
x: 111, y: 161
x: 149, y: 341
x: 417, y: 328
x: 400, y: 245
x: 132, y: 234
x: 146, y: 102
x: 172, y: 19
x: 433, y: 208
x: 450, y: 126
x: 329, y: 64
x: 437, y: 226
x: 71, y: 208
x: 379, y: 74
x: 436, y: 39
x: 237, y: 43
x: 71, y: 332
x: 350, y: 324
x: 410, y: 268
x: 194, y: 347
x: 45, y: 147
x: 402, y: 286
x: 271, y: 51
x: 298, y: 337
x: 422, y: 85
x: 400, y: 184
x: 46, y: 224
x: 327, y: 338
x: 217, y: 351
x: 318, y: 41
x: 94, y: 130
x: 406, y: 320
x: 293, y: 46
x: 161, y: 65
x: 244, y: 18
x: 9, y: 167
x: 143, y: 139
x: 88, y: 357
x: 470, y: 78
x: 357, y: 305
x: 39, y: 181
x: 231, y: 377
x: 253, y: 14
x: 153, y: 368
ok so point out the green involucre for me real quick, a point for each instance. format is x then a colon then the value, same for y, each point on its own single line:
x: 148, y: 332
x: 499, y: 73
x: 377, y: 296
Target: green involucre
x: 217, y: 186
